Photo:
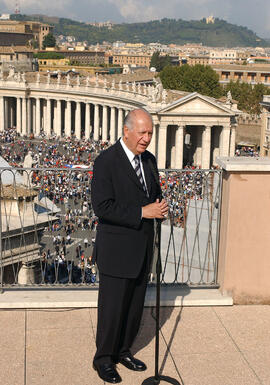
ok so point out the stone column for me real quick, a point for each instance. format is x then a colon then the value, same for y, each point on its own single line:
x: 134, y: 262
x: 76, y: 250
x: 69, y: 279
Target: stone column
x: 96, y: 122
x: 206, y: 147
x: 172, y: 163
x: 34, y: 111
x: 29, y: 117
x: 6, y: 114
x: 68, y: 119
x: 19, y: 115
x: 48, y: 117
x: 225, y: 140
x: 58, y: 122
x: 120, y: 121
x: 38, y: 123
x: 105, y: 123
x: 162, y: 145
x: 24, y: 116
x: 12, y: 123
x: 113, y: 133
x: 152, y: 145
x: 2, y: 114
x: 232, y: 141
x: 179, y: 145
x: 87, y: 121
x: 43, y: 115
x: 78, y: 120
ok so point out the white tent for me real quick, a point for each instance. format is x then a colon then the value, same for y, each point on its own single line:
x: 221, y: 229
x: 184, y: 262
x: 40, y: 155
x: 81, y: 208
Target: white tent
x: 48, y: 206
x: 9, y: 176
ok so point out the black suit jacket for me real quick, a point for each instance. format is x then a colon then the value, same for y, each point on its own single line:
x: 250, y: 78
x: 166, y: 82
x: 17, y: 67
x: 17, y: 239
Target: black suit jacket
x: 123, y: 239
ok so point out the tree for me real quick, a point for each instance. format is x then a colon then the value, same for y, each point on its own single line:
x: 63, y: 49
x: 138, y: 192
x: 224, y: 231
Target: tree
x: 49, y: 55
x: 247, y: 95
x: 159, y: 62
x: 34, y: 43
x: 49, y: 41
x: 198, y: 78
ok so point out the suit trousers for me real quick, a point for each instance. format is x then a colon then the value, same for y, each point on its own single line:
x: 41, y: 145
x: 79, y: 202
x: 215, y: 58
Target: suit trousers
x: 120, y: 308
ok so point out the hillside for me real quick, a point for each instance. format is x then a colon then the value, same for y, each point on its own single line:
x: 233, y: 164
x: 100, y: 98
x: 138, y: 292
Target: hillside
x: 165, y: 31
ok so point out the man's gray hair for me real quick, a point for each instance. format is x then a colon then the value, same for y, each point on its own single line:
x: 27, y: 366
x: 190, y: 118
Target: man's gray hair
x: 129, y: 119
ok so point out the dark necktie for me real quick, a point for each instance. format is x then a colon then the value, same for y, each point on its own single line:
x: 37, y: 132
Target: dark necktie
x: 138, y: 171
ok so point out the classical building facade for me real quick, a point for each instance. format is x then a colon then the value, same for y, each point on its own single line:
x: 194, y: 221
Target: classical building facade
x: 188, y: 128
x: 265, y: 127
x: 129, y: 59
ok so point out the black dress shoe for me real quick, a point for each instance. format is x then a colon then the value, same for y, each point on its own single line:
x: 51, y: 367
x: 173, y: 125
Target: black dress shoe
x: 108, y: 373
x: 132, y: 363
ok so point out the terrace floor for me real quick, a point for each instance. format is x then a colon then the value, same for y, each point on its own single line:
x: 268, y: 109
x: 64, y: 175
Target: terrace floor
x: 207, y: 345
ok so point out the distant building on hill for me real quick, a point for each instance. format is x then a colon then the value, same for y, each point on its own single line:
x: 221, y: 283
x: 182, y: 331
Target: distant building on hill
x: 210, y: 20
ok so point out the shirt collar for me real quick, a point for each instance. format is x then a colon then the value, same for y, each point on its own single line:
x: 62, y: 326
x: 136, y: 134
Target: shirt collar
x: 128, y: 152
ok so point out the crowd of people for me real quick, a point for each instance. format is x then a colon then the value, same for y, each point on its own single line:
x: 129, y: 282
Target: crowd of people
x: 59, y: 175
x: 49, y: 152
x: 69, y: 188
x: 246, y: 151
x: 177, y: 188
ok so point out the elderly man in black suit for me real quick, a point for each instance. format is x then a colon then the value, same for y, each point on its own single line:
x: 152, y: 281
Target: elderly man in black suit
x: 126, y: 197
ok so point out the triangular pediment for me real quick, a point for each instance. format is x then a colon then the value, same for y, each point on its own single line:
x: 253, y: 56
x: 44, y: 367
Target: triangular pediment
x: 196, y: 104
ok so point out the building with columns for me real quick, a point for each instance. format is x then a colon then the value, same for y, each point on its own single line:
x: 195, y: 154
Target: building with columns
x: 188, y: 128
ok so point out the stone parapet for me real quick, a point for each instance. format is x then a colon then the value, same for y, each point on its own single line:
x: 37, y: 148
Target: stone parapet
x: 244, y: 245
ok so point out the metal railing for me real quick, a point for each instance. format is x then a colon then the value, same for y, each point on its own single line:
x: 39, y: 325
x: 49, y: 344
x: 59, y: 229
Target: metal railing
x: 47, y: 227
x: 190, y: 237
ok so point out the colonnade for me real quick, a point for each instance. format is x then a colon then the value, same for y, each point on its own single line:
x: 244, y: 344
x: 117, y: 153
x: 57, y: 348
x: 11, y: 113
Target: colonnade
x: 62, y: 117
x: 101, y: 121
x: 204, y: 143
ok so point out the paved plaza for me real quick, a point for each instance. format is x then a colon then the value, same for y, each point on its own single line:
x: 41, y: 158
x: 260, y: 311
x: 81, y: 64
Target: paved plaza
x: 198, y: 346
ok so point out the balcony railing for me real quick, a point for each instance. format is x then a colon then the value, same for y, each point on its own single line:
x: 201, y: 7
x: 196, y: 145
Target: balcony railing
x: 48, y: 227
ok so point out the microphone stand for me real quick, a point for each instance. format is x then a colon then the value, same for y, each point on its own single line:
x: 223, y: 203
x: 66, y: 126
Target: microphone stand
x: 155, y: 380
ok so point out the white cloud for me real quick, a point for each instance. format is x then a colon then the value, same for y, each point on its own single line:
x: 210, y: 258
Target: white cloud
x: 136, y: 10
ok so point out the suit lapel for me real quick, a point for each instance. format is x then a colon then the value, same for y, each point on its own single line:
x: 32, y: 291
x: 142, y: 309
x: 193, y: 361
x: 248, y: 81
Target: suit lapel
x: 125, y: 163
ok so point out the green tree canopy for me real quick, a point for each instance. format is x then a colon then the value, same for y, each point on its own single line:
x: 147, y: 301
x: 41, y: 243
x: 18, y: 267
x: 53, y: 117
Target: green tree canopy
x: 166, y: 31
x: 198, y: 78
x: 159, y: 62
x: 247, y: 95
x: 49, y: 55
x: 49, y: 41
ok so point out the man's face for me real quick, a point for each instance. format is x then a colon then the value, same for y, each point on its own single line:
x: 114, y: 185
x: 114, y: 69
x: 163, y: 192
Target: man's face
x: 139, y: 138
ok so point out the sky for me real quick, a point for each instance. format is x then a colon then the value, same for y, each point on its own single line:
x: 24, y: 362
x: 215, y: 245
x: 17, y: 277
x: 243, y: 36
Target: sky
x: 249, y: 13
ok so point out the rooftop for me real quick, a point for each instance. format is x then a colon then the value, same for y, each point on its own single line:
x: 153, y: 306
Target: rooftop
x: 14, y: 49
